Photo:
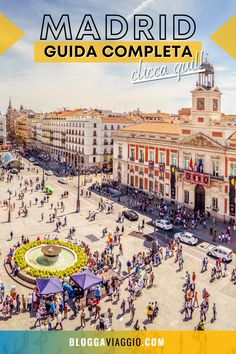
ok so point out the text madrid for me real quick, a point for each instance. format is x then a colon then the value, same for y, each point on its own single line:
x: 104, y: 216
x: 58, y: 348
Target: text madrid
x: 121, y: 51
x: 117, y: 27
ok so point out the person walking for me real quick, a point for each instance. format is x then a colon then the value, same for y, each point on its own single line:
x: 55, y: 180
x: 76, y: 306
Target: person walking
x: 132, y: 310
x: 82, y: 318
x: 59, y: 320
x: 122, y: 306
x: 11, y: 235
x: 214, y: 311
x: 109, y: 315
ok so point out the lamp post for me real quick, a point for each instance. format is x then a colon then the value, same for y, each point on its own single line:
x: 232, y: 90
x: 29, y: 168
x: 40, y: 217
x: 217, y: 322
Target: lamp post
x: 43, y: 179
x: 9, y: 205
x: 78, y: 188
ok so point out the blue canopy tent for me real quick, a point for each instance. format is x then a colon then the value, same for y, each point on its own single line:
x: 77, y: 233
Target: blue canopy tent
x: 49, y: 286
x: 86, y: 279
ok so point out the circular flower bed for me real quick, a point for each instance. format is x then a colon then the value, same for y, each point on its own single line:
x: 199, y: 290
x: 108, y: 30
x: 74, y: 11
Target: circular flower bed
x: 81, y: 262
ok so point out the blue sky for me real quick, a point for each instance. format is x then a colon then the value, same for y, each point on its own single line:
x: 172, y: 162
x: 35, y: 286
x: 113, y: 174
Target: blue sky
x: 45, y: 87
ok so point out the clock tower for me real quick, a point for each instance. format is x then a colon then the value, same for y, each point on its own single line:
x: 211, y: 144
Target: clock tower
x: 206, y: 97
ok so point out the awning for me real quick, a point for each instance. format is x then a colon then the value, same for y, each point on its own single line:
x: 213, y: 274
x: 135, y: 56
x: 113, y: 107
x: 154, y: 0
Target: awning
x: 49, y: 286
x: 86, y: 279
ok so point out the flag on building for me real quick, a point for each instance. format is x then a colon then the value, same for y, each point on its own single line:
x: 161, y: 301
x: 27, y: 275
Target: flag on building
x: 191, y: 164
x: 199, y: 166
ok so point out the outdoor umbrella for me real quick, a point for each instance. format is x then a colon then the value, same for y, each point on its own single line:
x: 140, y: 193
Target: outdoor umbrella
x: 86, y: 279
x: 49, y: 286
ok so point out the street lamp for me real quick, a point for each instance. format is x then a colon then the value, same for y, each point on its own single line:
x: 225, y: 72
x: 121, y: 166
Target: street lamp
x: 9, y: 205
x: 78, y: 188
x: 43, y: 178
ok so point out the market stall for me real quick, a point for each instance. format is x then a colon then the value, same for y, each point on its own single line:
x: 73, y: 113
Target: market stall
x: 87, y: 282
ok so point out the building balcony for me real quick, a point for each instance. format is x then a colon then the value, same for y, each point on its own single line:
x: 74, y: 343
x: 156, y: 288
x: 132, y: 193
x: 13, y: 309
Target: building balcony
x: 141, y: 160
x: 132, y: 158
x: 219, y: 178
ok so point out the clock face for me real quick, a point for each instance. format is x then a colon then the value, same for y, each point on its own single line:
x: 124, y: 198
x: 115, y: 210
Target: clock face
x: 200, y: 103
x: 215, y: 105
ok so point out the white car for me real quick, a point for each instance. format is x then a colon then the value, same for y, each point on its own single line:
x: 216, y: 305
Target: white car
x: 164, y: 224
x: 49, y: 173
x: 186, y: 237
x: 31, y: 159
x: 63, y: 180
x: 221, y: 252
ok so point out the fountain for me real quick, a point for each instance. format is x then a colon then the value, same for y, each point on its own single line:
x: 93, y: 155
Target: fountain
x: 51, y: 253
x: 50, y: 257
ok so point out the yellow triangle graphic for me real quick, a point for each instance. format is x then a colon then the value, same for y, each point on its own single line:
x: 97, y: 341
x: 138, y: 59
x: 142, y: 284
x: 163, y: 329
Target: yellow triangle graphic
x: 225, y: 37
x: 9, y: 33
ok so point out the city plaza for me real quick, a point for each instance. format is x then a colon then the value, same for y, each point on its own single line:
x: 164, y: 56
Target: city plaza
x: 168, y: 282
x: 189, y: 163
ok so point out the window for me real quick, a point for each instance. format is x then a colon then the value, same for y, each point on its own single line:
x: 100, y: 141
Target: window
x: 150, y: 186
x: 120, y: 152
x: 151, y: 155
x: 132, y: 180
x: 233, y: 169
x: 200, y: 104
x: 186, y: 197
x: 141, y: 156
x: 162, y: 157
x: 174, y: 160
x: 94, y: 142
x: 94, y: 159
x: 94, y: 125
x: 94, y: 151
x: 215, y: 104
x: 215, y: 204
x: 215, y: 168
x: 141, y: 183
x: 112, y: 127
x: 94, y: 133
x: 162, y: 189
x: 186, y: 162
x: 132, y: 154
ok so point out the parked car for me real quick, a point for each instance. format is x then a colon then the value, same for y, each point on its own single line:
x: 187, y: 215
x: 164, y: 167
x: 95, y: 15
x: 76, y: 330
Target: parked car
x: 49, y: 173
x: 130, y: 215
x: 186, y: 237
x: 113, y: 192
x: 221, y: 252
x: 36, y: 163
x: 164, y: 224
x: 31, y: 159
x: 63, y: 180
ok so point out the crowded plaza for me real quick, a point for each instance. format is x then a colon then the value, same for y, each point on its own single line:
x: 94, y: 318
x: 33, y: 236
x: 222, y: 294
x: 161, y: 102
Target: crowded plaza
x: 97, y: 267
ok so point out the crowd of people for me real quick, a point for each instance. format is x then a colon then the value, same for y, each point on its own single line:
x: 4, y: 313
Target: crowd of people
x: 132, y: 276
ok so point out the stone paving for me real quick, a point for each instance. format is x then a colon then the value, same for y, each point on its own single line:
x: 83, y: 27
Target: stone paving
x: 167, y: 289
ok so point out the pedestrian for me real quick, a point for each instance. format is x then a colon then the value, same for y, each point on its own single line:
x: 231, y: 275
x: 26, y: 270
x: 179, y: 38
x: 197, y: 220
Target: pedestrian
x: 102, y: 322
x: 59, y: 320
x: 195, y: 301
x: 225, y: 270
x: 122, y: 306
x: 214, y: 311
x: 11, y: 235
x: 132, y: 310
x: 82, y: 318
x: 109, y: 315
